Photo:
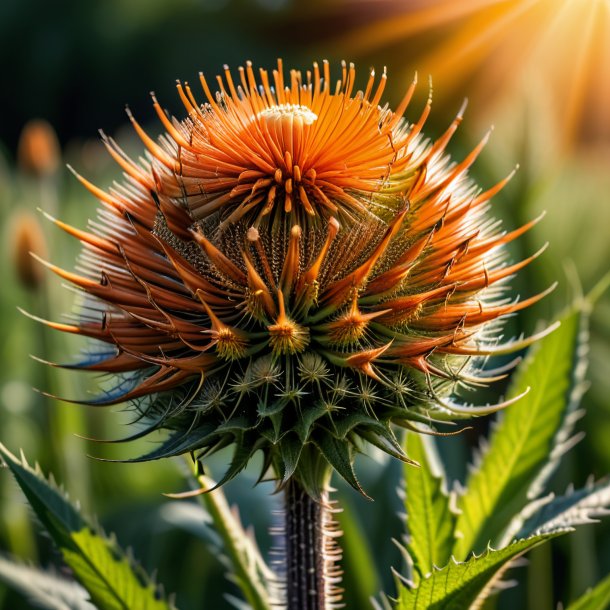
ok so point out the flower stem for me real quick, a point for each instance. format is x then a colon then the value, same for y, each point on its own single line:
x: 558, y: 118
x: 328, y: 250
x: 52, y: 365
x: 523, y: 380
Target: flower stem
x: 311, y: 554
x: 251, y: 573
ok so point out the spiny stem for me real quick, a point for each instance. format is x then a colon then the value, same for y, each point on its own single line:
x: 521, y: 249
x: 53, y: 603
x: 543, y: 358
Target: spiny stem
x: 311, y: 554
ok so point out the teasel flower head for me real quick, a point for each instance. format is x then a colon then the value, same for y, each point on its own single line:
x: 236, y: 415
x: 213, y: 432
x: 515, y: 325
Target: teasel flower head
x: 292, y: 268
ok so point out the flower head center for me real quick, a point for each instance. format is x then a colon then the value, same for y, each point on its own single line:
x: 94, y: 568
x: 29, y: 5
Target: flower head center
x: 230, y: 346
x: 288, y: 115
x: 288, y: 337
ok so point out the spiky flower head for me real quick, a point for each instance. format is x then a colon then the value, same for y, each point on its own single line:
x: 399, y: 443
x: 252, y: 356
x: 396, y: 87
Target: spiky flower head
x: 292, y: 268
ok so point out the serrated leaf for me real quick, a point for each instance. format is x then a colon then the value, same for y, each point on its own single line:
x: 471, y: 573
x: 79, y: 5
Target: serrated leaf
x: 597, y: 598
x: 43, y: 588
x: 98, y: 563
x: 430, y: 520
x: 459, y: 585
x: 529, y: 438
x: 572, y: 509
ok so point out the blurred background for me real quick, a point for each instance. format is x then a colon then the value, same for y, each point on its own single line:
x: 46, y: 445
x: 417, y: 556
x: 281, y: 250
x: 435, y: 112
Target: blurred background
x: 537, y: 70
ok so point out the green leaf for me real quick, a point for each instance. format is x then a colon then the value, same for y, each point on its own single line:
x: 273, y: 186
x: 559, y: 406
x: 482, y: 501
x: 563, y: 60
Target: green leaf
x: 430, y: 520
x: 108, y: 574
x: 567, y: 511
x: 459, y: 585
x: 44, y: 589
x: 597, y: 598
x: 528, y: 440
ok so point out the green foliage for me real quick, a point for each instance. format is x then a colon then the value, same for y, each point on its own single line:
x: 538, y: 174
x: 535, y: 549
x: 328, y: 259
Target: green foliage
x: 242, y: 557
x: 109, y: 575
x: 430, y: 520
x: 597, y: 598
x: 44, y: 589
x: 501, y: 504
x: 459, y: 585
x: 572, y: 509
x: 529, y: 438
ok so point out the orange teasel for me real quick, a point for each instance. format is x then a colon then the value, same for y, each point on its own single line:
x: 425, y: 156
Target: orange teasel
x: 292, y: 268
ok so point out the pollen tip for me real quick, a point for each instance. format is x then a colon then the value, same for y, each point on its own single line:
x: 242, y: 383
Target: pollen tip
x: 46, y: 215
x: 462, y: 110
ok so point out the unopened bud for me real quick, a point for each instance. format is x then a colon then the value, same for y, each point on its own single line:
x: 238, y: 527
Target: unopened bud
x: 38, y: 151
x: 26, y: 236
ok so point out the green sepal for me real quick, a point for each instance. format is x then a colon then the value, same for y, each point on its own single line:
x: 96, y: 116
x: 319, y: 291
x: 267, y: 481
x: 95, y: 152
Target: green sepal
x: 289, y: 450
x: 246, y: 445
x: 313, y: 471
x: 265, y: 409
x: 339, y: 456
x: 383, y: 438
x: 179, y: 443
x: 347, y: 423
x: 236, y: 424
x: 306, y: 420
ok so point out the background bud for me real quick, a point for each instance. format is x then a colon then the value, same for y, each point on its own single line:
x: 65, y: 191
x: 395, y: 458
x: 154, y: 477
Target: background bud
x: 38, y: 151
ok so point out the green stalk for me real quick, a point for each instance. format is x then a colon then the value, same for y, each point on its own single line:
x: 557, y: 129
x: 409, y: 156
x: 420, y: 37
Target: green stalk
x: 250, y: 570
